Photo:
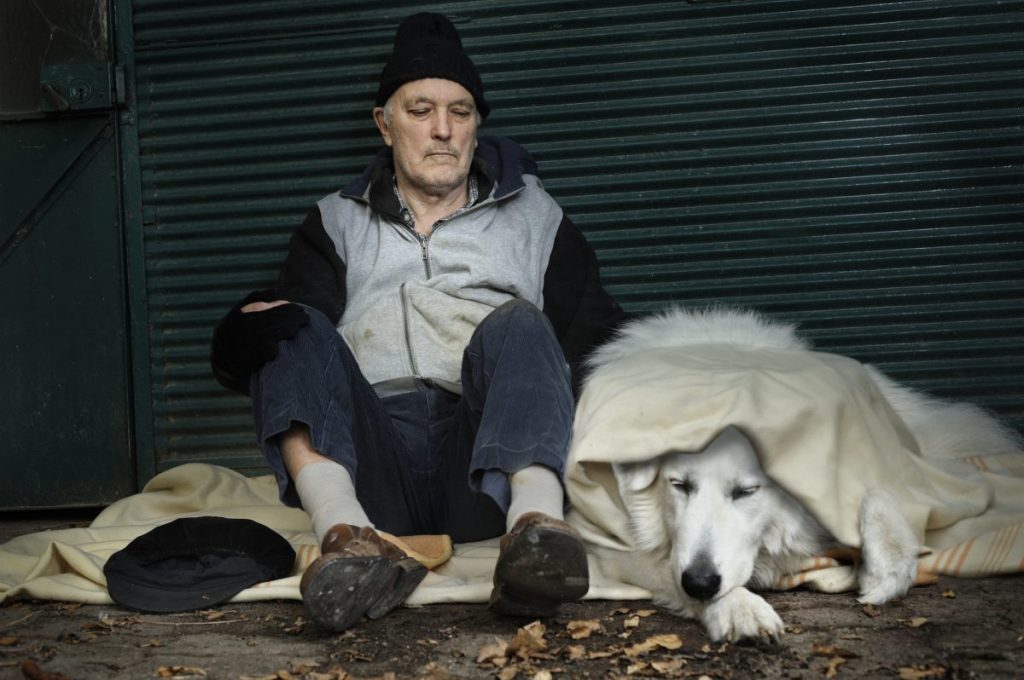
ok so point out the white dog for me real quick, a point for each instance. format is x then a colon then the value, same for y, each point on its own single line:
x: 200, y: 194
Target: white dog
x: 716, y: 524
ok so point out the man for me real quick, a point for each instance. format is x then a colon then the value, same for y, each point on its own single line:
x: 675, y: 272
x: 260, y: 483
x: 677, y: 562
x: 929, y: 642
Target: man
x: 404, y: 378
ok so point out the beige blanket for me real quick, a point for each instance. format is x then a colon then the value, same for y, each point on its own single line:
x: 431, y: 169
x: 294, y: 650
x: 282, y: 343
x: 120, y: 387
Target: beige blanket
x: 823, y: 429
x: 68, y: 564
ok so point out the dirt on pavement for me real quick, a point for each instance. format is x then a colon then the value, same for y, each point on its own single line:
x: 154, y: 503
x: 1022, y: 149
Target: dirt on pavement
x: 957, y: 629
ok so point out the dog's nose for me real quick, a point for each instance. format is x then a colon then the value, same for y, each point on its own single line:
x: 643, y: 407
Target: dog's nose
x: 701, y: 581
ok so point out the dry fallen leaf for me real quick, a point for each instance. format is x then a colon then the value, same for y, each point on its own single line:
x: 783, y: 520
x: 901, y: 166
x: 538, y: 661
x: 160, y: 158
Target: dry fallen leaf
x: 579, y: 630
x: 31, y: 670
x: 832, y: 650
x: 528, y: 641
x: 644, y: 613
x: 296, y: 627
x: 152, y: 643
x: 575, y: 652
x: 917, y: 622
x: 542, y: 675
x: 599, y: 655
x: 536, y: 629
x: 669, y: 642
x: 832, y: 666
x: 508, y: 673
x: 634, y: 668
x: 920, y: 672
x: 303, y: 667
x: 949, y: 593
x: 871, y: 610
x: 631, y: 622
x: 494, y: 653
x: 8, y: 641
x: 212, y: 615
x: 668, y: 666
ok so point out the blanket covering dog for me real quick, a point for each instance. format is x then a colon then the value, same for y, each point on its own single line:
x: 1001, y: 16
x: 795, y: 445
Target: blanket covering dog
x: 824, y: 431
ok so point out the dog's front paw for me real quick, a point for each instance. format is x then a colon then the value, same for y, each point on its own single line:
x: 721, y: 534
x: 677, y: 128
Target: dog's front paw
x: 880, y: 585
x: 741, y: 614
x: 889, y: 547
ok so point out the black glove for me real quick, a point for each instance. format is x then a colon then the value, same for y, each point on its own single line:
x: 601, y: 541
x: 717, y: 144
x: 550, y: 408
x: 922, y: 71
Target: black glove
x: 243, y: 342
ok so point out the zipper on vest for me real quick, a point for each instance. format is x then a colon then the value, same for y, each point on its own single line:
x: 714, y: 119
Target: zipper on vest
x: 408, y: 335
x: 424, y: 255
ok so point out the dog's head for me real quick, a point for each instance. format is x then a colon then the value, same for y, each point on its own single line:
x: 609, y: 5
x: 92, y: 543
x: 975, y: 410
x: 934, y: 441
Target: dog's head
x: 711, y: 511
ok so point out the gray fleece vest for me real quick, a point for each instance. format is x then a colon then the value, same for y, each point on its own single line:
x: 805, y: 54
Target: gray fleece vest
x: 412, y: 303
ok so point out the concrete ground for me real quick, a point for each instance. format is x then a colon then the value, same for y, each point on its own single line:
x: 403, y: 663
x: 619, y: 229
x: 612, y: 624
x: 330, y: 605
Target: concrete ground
x: 957, y: 629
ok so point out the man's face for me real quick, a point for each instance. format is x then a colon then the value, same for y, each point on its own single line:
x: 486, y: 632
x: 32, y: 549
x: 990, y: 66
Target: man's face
x: 432, y: 134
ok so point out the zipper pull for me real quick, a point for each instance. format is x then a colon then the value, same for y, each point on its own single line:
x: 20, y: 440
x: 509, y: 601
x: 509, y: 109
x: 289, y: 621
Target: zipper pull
x: 423, y: 253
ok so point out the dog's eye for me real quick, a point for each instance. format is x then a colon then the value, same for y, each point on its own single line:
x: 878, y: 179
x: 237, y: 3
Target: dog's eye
x: 739, y: 492
x: 684, y: 485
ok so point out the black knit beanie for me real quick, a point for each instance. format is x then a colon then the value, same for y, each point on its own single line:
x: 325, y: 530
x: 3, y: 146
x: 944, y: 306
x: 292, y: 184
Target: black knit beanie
x: 428, y: 46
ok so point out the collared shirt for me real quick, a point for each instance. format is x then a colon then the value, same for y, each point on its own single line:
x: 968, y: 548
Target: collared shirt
x: 473, y: 195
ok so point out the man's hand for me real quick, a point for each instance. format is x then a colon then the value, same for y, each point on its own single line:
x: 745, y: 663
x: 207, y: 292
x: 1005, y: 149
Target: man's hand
x: 262, y: 306
x: 247, y: 337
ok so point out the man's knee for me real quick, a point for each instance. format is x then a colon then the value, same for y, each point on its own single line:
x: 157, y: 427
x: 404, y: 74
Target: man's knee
x: 311, y: 350
x: 318, y: 321
x: 516, y: 314
x: 317, y: 335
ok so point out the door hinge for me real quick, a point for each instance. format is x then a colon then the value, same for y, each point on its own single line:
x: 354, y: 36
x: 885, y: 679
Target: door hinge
x: 76, y: 87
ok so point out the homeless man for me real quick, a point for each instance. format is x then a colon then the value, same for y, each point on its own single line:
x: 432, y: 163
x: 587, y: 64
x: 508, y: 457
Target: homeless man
x: 411, y: 371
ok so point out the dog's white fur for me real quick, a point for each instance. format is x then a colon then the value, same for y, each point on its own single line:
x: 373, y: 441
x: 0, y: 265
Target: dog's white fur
x: 710, y: 524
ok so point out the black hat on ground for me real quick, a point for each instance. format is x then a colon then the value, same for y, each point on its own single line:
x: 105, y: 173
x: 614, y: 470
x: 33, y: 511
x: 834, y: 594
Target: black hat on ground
x: 428, y: 46
x: 196, y: 562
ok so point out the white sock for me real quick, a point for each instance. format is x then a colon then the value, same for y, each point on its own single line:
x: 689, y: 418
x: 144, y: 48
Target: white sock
x: 329, y: 496
x: 534, y: 489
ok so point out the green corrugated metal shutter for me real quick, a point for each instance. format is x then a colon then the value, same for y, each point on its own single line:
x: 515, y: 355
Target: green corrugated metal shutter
x: 853, y: 166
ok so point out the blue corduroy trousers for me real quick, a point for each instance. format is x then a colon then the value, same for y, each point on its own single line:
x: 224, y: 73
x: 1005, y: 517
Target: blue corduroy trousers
x: 428, y: 461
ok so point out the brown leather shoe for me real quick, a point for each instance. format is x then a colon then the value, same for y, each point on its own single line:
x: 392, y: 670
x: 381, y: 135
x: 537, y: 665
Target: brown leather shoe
x: 541, y: 563
x: 359, y: 573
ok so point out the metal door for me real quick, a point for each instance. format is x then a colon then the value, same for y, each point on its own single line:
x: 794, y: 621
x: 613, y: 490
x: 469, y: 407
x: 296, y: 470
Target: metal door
x: 64, y: 415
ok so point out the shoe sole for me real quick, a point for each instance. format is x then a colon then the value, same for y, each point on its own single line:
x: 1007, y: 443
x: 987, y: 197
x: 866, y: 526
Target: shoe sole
x: 408, y: 574
x: 542, y: 568
x: 344, y: 589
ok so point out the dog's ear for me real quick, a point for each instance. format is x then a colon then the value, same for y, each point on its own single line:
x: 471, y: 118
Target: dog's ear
x: 641, y: 501
x: 635, y: 477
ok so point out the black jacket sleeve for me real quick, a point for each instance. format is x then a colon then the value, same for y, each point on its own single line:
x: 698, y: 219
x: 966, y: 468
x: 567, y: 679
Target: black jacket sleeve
x: 313, y: 274
x: 583, y: 314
